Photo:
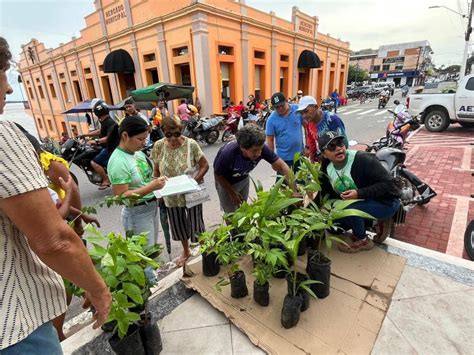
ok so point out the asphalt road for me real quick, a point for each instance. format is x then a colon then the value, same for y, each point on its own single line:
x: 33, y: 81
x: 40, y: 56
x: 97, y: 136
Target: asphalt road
x: 364, y: 123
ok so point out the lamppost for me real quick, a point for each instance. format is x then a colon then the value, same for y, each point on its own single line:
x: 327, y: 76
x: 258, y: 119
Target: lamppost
x: 467, y: 34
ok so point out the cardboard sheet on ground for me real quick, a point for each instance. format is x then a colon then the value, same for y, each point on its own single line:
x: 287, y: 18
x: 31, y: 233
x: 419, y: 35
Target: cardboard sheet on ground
x: 347, y: 321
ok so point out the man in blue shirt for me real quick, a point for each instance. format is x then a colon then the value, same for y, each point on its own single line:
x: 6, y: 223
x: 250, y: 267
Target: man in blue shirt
x: 335, y: 99
x: 285, y: 129
x: 320, y: 121
x: 236, y: 160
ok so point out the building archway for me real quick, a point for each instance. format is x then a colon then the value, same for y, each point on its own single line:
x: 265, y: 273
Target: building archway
x: 121, y: 63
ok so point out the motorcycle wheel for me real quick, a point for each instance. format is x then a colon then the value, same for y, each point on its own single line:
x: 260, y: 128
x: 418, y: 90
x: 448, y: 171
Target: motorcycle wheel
x: 469, y: 240
x: 212, y: 137
x: 74, y: 177
x: 226, y: 136
x: 380, y: 105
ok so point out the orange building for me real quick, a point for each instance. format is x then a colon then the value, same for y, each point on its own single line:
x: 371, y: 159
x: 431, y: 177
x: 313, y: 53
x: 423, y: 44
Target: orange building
x: 224, y: 48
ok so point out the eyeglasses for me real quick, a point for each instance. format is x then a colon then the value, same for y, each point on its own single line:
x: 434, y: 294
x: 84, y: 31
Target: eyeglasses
x: 333, y: 145
x: 173, y: 134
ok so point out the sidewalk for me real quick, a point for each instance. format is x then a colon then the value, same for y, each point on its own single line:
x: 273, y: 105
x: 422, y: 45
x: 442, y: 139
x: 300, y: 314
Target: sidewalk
x: 445, y: 161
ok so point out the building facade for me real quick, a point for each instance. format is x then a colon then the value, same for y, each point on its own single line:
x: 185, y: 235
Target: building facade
x: 402, y: 63
x: 224, y: 48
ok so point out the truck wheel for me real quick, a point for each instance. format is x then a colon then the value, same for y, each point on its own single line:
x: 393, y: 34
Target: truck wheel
x: 436, y: 121
x: 467, y: 124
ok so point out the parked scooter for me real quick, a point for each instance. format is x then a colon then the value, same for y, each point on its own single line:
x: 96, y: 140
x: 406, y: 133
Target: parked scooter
x: 327, y: 104
x: 202, y: 129
x: 397, y: 130
x: 405, y: 90
x: 231, y: 127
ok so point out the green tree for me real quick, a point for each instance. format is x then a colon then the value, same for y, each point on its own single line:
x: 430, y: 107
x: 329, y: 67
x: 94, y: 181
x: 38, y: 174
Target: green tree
x: 356, y: 74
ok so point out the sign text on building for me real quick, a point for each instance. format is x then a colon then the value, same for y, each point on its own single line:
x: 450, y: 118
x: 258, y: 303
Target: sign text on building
x: 114, y: 14
x: 391, y: 60
x: 306, y: 28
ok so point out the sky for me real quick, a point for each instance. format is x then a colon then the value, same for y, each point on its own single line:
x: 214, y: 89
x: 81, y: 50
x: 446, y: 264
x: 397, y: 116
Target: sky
x: 364, y: 23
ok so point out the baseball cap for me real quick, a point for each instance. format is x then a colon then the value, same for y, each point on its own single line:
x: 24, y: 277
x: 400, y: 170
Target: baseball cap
x: 305, y: 101
x: 326, y: 138
x: 278, y: 99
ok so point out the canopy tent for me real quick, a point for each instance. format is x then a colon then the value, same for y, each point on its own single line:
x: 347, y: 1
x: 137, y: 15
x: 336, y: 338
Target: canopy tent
x: 87, y: 106
x: 162, y: 91
x: 119, y: 61
x: 309, y: 59
x: 138, y: 105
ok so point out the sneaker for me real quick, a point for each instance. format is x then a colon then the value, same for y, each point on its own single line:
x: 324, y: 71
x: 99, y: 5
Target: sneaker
x: 355, y: 245
x: 382, y: 231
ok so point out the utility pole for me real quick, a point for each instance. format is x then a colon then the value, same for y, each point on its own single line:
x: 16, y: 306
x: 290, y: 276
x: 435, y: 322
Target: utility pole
x: 466, y: 46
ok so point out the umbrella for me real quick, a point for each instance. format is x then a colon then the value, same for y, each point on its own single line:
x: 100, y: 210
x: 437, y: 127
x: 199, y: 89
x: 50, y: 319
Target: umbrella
x: 86, y: 106
x: 162, y: 91
x: 138, y: 105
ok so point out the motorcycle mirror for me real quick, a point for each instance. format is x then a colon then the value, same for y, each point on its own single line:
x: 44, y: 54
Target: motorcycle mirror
x: 396, y: 102
x: 352, y: 143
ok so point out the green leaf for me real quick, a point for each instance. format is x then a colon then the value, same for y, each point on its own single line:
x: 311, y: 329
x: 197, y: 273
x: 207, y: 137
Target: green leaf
x: 137, y: 273
x: 133, y: 291
x: 111, y: 281
x: 107, y: 260
x: 133, y: 317
x: 349, y: 213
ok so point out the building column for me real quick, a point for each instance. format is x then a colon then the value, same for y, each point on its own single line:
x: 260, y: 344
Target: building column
x: 202, y: 60
x: 274, y: 60
x: 133, y: 42
x: 327, y: 75
x: 95, y: 76
x: 165, y: 72
x: 245, y: 60
x: 80, y: 76
x: 294, y: 86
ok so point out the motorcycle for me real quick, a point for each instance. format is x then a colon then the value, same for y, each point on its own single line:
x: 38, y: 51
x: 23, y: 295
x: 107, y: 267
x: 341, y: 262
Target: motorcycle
x: 203, y: 130
x: 383, y: 100
x: 231, y: 126
x: 327, y: 104
x: 397, y: 131
x: 405, y: 91
x: 414, y: 192
x: 77, y: 151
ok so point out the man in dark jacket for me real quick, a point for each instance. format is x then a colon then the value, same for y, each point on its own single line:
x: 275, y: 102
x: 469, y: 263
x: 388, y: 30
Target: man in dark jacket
x: 351, y: 174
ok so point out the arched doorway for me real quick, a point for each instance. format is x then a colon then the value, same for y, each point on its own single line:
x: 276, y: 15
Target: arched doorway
x: 121, y: 63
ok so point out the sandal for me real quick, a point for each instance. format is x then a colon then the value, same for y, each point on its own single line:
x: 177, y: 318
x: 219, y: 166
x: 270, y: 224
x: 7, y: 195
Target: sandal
x: 181, y: 261
x: 103, y: 187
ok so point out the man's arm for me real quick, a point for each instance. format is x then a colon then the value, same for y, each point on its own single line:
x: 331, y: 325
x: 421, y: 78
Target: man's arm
x: 57, y: 245
x: 234, y: 196
x: 270, y: 141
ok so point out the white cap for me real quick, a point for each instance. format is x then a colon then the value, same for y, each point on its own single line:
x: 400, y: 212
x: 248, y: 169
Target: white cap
x: 305, y: 101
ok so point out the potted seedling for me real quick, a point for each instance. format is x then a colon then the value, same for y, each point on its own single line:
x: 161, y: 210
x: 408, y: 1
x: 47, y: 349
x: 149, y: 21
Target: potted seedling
x: 122, y: 261
x: 228, y: 254
x: 320, y: 221
x: 266, y: 260
x: 297, y: 298
x: 210, y: 242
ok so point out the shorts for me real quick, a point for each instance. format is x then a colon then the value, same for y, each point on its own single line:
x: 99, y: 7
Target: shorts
x: 102, y: 158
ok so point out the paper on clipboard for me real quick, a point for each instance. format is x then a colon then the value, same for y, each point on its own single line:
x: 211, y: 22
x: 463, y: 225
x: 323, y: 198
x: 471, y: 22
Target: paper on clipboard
x: 177, y: 185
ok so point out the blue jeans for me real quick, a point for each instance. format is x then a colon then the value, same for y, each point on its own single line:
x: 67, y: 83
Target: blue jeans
x: 375, y: 208
x: 43, y: 341
x: 141, y: 219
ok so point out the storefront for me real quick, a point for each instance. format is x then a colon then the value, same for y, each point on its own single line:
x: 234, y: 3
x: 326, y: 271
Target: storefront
x: 217, y: 46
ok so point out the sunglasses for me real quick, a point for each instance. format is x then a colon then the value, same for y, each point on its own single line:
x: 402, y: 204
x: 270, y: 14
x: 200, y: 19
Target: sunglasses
x: 171, y: 134
x: 333, y: 145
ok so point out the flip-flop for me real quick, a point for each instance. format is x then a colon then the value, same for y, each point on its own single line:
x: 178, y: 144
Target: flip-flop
x: 181, y: 261
x: 103, y: 187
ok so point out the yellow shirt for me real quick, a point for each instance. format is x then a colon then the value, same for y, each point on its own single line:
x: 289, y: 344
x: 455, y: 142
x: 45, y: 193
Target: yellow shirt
x: 46, y: 158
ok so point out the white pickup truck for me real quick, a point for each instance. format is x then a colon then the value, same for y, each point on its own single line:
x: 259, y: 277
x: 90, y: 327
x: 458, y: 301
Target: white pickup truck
x: 437, y: 111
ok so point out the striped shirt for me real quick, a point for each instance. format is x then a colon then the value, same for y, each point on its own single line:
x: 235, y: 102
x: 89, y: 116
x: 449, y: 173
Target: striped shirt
x: 31, y: 294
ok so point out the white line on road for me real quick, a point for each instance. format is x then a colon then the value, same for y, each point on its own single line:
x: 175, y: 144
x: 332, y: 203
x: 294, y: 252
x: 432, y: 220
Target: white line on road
x: 366, y: 112
x: 350, y: 112
x: 380, y: 121
x: 380, y: 113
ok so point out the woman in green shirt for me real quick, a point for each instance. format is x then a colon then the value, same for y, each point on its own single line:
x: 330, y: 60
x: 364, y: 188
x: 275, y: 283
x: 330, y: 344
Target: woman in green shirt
x: 131, y: 173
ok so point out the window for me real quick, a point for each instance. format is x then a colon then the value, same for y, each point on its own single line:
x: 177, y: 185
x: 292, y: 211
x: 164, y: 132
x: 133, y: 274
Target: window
x: 77, y: 89
x: 49, y: 77
x: 37, y: 80
x: 40, y: 125
x: 333, y: 65
x: 259, y: 55
x: 40, y: 90
x: 386, y: 67
x: 376, y: 68
x: 50, y: 125
x: 101, y: 67
x: 470, y: 84
x: 53, y: 92
x: 149, y: 57
x: 73, y: 73
x: 31, y: 93
x: 61, y: 75
x: 226, y: 50
x: 343, y: 66
x: 284, y: 58
x: 64, y: 88
x: 179, y: 51
x: 87, y: 70
x: 399, y: 66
